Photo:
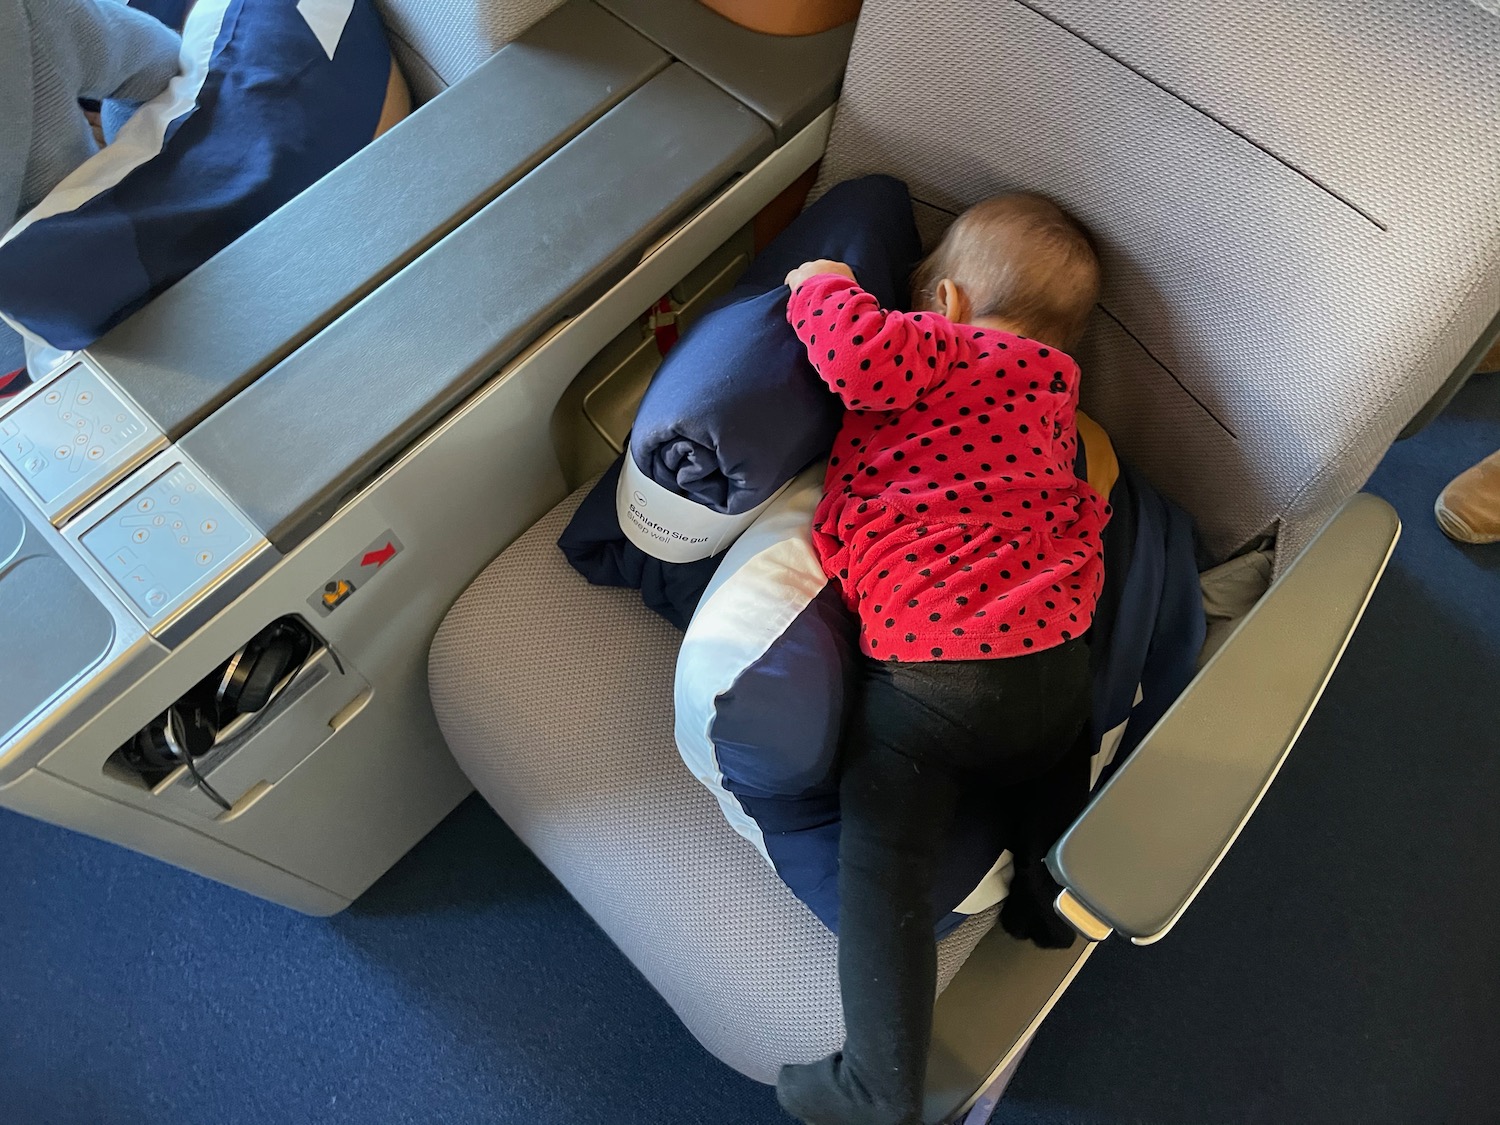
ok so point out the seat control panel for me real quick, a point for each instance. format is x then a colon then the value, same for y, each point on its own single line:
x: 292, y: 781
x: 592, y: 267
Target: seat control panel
x: 71, y: 436
x: 169, y: 540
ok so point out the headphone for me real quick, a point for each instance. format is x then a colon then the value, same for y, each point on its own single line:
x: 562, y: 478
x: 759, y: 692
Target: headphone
x: 245, y: 684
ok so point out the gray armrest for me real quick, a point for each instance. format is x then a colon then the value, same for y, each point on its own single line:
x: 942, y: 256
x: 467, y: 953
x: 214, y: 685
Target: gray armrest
x: 212, y: 334
x: 294, y: 443
x: 1154, y: 834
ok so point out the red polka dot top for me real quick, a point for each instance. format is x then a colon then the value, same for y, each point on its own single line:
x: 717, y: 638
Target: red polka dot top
x: 951, y: 516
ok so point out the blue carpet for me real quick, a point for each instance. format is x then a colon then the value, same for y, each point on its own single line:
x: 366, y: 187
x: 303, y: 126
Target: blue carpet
x: 1339, y: 967
x: 466, y: 987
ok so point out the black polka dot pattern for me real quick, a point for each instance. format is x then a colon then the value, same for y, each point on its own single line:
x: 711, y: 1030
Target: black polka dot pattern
x: 952, y: 517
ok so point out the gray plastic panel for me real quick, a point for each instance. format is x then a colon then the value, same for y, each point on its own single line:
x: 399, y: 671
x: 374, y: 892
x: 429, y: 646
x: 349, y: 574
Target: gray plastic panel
x: 788, y: 80
x: 55, y: 631
x: 12, y: 531
x: 290, y: 447
x: 1154, y: 834
x: 202, y: 341
x: 985, y: 1017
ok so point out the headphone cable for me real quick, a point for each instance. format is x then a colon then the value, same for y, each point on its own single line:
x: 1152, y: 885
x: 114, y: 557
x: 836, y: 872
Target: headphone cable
x: 205, y: 786
x: 180, y: 737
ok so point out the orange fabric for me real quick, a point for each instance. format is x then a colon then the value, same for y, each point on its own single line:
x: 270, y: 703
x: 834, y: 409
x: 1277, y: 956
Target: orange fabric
x: 786, y: 17
x: 1099, y: 453
x: 397, y: 101
x: 1491, y: 360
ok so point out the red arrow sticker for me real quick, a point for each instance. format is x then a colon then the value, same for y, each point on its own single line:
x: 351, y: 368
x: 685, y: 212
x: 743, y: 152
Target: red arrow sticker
x: 379, y: 557
x: 355, y: 574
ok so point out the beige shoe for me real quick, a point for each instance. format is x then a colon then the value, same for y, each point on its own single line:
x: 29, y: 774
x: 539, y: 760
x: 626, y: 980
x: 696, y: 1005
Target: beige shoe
x: 1469, y: 508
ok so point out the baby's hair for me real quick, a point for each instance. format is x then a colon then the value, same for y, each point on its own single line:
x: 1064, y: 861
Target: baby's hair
x: 1020, y: 257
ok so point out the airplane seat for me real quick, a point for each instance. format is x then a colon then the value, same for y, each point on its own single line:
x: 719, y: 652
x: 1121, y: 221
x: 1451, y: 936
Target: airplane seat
x: 1295, y: 211
x: 1239, y: 169
x: 321, y: 435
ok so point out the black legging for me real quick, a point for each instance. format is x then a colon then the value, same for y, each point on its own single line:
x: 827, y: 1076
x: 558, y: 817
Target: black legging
x: 919, y: 735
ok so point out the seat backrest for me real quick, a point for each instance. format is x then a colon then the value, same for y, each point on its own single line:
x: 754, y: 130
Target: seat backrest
x: 1296, y: 205
x: 438, y: 42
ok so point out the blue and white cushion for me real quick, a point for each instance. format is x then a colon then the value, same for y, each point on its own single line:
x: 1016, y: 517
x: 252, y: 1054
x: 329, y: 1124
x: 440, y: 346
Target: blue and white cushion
x: 764, y: 682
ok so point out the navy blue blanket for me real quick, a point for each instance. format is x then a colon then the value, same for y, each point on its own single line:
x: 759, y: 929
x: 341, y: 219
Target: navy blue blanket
x: 735, y: 410
x: 597, y: 549
x: 1149, y: 626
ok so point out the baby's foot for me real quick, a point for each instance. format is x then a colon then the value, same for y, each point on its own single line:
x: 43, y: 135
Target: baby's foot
x: 1028, y: 914
x: 828, y: 1092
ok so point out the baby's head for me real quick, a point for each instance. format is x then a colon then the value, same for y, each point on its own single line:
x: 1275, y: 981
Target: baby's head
x: 1017, y: 262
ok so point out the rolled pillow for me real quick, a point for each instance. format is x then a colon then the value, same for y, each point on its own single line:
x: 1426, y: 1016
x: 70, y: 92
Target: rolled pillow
x: 736, y: 410
x: 271, y: 96
x: 594, y: 544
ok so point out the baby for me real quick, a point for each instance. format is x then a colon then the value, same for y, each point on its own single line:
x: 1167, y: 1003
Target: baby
x: 960, y: 535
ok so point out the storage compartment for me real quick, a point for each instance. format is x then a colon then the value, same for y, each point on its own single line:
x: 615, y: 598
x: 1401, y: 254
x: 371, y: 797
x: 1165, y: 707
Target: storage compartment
x: 239, y: 748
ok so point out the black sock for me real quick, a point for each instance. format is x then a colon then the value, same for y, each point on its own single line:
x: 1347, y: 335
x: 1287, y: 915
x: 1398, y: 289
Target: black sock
x: 830, y: 1092
x: 1028, y: 913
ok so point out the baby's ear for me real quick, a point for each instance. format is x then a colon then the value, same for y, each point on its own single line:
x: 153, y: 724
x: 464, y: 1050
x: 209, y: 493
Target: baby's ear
x: 951, y: 300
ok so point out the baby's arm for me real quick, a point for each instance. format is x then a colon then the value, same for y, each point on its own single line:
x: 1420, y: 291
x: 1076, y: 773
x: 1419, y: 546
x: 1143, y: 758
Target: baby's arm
x: 872, y: 358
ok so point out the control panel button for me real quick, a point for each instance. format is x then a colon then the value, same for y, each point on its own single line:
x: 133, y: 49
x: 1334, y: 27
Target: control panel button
x: 138, y: 581
x: 72, y: 437
x: 159, y: 566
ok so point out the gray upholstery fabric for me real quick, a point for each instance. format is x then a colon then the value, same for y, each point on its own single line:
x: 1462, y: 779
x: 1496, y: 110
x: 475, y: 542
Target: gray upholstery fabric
x: 556, y: 699
x: 1296, y: 204
x: 437, y: 42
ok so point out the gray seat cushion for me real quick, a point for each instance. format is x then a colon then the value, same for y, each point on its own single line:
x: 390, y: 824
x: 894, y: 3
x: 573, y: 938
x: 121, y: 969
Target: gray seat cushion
x: 556, y: 699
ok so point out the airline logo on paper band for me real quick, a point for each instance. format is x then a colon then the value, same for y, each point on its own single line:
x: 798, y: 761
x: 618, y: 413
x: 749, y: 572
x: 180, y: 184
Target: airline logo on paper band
x: 671, y: 527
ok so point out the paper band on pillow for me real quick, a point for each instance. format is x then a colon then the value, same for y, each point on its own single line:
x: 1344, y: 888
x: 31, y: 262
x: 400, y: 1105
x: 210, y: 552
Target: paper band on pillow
x: 671, y: 527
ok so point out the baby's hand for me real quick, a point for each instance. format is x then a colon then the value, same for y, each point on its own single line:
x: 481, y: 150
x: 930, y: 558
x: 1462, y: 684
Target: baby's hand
x: 813, y: 269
